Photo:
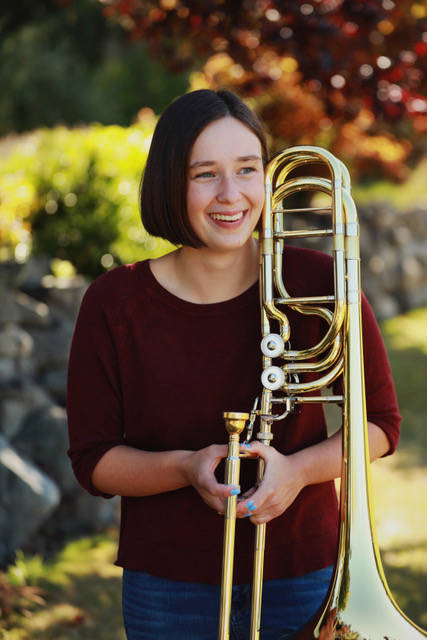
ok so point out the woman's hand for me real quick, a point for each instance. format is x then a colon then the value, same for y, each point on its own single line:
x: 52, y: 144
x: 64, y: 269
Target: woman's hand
x: 200, y: 471
x: 282, y: 481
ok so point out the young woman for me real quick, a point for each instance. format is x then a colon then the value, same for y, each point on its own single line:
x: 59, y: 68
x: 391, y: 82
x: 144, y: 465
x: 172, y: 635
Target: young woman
x: 162, y: 347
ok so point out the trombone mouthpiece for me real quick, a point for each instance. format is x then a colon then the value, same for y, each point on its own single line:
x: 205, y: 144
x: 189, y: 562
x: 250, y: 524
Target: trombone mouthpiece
x: 235, y: 422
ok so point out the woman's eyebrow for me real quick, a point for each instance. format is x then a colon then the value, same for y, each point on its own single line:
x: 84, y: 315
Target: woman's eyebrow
x: 249, y: 158
x: 206, y: 163
x: 202, y: 163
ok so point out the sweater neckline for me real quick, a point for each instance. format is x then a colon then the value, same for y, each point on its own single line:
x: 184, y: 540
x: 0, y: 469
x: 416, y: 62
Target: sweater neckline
x: 153, y: 286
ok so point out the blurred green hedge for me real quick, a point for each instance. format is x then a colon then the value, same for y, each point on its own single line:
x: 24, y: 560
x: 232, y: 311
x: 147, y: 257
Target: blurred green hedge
x: 72, y: 194
x: 64, y: 62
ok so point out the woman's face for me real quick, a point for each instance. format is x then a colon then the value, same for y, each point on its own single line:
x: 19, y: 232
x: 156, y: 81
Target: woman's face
x: 225, y: 193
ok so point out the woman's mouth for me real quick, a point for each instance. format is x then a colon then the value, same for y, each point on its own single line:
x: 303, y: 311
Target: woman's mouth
x: 227, y: 217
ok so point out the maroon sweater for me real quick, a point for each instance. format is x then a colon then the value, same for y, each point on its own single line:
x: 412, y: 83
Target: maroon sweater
x: 155, y: 372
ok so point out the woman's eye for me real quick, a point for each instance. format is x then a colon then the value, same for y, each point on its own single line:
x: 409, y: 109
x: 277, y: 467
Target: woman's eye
x: 205, y: 174
x: 246, y: 170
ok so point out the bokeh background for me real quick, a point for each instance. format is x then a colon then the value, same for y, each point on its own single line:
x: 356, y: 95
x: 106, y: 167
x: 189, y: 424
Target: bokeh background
x: 83, y: 83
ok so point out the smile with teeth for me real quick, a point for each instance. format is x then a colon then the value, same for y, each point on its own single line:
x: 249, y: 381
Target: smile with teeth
x: 230, y: 217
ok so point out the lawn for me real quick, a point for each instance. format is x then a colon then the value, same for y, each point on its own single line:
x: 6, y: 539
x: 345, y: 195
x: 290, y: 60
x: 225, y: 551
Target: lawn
x: 400, y: 482
x: 76, y: 595
x: 79, y: 591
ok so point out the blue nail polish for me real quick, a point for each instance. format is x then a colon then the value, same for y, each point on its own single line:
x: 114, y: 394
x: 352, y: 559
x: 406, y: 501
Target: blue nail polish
x: 247, y: 444
x: 251, y: 506
x: 247, y: 515
x: 235, y: 492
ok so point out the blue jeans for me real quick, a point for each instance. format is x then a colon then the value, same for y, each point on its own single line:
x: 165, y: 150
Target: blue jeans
x: 160, y: 609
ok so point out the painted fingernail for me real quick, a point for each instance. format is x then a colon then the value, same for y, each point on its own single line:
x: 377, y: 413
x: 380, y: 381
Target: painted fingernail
x: 247, y: 444
x: 235, y: 492
x: 251, y: 506
x: 247, y: 515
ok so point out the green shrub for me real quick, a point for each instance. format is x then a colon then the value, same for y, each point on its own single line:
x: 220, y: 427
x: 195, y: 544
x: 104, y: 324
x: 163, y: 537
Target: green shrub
x: 73, y: 195
x: 67, y: 63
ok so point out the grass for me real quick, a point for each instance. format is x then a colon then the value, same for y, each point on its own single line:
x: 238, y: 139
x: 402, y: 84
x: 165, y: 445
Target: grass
x: 400, y: 481
x: 81, y: 592
x: 406, y: 340
x: 76, y: 595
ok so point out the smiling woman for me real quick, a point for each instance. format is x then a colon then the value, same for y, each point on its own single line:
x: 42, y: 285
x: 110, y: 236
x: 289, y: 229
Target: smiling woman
x: 205, y: 190
x: 162, y: 348
x: 226, y: 185
x: 165, y: 182
x: 225, y: 195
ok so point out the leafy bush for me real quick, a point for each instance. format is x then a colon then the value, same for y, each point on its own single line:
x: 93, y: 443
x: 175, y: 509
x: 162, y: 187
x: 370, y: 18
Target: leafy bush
x: 65, y: 63
x: 73, y: 195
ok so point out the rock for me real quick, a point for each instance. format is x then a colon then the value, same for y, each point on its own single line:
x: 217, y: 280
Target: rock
x: 96, y: 513
x: 76, y: 515
x: 55, y: 382
x: 14, y: 342
x: 416, y: 220
x: 9, y: 312
x: 11, y: 273
x: 27, y: 496
x: 16, y: 401
x: 18, y: 308
x: 32, y: 312
x: 385, y: 307
x: 414, y: 298
x: 51, y: 348
x: 7, y: 370
x: 66, y: 293
x: 16, y: 346
x: 30, y: 277
x: 43, y: 437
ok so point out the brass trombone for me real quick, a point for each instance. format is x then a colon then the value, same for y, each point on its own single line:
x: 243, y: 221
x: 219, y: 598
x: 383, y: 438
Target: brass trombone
x: 359, y: 601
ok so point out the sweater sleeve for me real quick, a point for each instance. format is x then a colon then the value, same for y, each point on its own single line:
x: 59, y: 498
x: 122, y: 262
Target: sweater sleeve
x: 381, y: 401
x: 93, y: 391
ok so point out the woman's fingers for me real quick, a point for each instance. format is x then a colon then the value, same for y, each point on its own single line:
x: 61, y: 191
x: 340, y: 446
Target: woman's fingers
x: 256, y: 448
x: 250, y: 492
x: 281, y: 483
x: 217, y: 502
x: 202, y: 476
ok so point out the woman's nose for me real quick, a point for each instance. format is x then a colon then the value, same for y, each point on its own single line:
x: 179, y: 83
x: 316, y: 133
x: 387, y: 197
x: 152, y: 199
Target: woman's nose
x: 228, y: 191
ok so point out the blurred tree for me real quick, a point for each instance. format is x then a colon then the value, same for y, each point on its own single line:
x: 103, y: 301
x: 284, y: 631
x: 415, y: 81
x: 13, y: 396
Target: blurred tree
x: 62, y: 62
x: 343, y: 73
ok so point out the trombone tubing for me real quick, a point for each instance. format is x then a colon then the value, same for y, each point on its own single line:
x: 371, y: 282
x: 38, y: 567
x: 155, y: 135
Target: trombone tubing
x: 270, y: 280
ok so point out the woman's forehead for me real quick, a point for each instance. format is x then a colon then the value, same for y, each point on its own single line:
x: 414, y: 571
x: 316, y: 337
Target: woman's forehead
x: 225, y: 138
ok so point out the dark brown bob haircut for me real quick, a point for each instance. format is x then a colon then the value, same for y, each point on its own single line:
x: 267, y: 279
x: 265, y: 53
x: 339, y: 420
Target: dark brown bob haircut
x: 164, y: 184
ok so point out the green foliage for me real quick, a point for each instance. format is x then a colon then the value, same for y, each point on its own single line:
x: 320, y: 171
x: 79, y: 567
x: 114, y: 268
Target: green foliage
x: 404, y: 195
x: 74, y: 194
x: 128, y: 81
x: 26, y: 570
x: 75, y: 594
x: 64, y: 63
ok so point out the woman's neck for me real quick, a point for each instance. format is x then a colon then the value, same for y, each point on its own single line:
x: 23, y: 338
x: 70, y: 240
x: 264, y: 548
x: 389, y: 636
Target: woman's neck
x: 205, y: 277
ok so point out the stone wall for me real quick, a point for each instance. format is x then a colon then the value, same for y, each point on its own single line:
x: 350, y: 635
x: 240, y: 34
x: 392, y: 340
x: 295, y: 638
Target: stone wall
x: 394, y: 258
x: 40, y: 501
x: 393, y: 249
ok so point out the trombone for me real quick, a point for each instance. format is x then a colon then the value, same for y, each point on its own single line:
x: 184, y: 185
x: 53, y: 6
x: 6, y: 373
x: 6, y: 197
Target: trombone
x: 359, y: 601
